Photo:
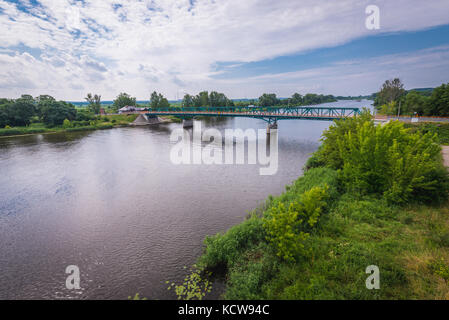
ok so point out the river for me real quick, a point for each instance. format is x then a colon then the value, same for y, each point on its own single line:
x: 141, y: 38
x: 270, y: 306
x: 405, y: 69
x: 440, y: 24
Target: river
x: 112, y: 203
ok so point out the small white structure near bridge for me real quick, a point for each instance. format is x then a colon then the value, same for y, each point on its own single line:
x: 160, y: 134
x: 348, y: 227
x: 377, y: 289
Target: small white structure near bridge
x: 129, y: 109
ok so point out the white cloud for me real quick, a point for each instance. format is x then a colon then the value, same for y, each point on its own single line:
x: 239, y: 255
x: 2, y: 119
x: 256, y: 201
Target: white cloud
x: 424, y: 68
x: 139, y: 46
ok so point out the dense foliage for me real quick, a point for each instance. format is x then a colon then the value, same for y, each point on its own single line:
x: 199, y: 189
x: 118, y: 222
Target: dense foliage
x: 288, y: 228
x: 347, y: 212
x: 387, y: 160
x: 270, y: 100
x: 21, y: 112
x: 16, y: 112
x: 157, y: 100
x: 206, y: 99
x: 391, y: 91
x: 54, y: 113
x: 123, y: 100
x: 394, y: 100
x: 440, y: 129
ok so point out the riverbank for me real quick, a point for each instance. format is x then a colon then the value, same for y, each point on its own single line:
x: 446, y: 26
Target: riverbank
x: 102, y: 123
x: 316, y: 240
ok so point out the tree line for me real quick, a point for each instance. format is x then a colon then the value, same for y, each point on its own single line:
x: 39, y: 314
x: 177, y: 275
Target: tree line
x: 218, y: 99
x: 393, y: 99
x: 46, y: 109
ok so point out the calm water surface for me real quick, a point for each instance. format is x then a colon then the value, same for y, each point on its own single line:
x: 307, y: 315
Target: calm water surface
x: 112, y: 203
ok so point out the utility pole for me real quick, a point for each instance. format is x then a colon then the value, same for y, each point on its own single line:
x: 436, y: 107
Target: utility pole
x: 399, y: 110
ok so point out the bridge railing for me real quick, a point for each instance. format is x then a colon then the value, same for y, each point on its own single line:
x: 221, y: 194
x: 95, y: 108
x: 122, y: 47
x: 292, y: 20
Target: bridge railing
x: 303, y: 111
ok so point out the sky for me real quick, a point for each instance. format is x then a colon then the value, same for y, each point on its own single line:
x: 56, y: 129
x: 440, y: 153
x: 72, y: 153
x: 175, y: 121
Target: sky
x: 243, y: 48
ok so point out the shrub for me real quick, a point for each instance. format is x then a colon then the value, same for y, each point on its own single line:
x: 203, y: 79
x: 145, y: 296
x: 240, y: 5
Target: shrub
x: 287, y: 227
x: 388, y: 160
x: 66, y: 123
x: 54, y: 113
x: 315, y: 177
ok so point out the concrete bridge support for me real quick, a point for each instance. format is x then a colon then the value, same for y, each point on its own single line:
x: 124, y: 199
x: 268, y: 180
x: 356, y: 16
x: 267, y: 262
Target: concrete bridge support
x: 187, y: 123
x: 143, y: 120
x: 271, y: 126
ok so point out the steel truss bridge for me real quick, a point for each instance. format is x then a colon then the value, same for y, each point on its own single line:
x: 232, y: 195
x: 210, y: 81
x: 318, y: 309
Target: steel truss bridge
x: 268, y: 114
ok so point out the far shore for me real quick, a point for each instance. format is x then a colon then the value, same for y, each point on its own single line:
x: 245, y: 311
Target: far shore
x: 46, y: 131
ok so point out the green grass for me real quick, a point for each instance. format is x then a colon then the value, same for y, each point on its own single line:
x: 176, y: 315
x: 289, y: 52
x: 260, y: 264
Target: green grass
x: 410, y: 245
x: 441, y: 129
x: 173, y: 119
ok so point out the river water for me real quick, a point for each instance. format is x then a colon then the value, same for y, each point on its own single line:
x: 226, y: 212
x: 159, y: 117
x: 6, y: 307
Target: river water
x: 113, y: 203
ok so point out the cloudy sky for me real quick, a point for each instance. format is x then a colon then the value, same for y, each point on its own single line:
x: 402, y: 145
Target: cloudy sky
x: 243, y: 48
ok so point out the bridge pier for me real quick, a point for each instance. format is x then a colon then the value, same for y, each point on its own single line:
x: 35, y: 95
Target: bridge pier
x: 272, y: 126
x: 187, y: 123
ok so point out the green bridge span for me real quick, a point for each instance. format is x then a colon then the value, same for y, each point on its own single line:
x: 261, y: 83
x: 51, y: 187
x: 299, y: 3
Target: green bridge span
x: 269, y: 114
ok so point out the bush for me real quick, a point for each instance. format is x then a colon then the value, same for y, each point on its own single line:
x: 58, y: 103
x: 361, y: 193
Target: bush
x: 315, y: 177
x: 55, y: 112
x: 66, y: 123
x: 387, y: 160
x: 84, y: 115
x: 287, y: 227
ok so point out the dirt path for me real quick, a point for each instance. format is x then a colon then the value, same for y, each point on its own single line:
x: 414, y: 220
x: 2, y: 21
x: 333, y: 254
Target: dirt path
x: 445, y: 155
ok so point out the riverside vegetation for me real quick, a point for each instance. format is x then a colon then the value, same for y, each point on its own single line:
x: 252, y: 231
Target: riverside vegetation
x: 43, y: 114
x: 371, y: 195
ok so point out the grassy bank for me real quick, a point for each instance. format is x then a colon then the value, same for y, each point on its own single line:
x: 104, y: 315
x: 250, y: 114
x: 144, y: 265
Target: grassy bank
x: 101, y: 123
x: 371, y: 196
x: 441, y: 129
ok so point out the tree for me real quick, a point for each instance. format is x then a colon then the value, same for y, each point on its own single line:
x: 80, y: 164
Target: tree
x: 42, y: 100
x: 17, y: 112
x: 123, y: 100
x: 3, y: 112
x: 94, y: 103
x: 187, y: 101
x: 154, y: 100
x: 163, y: 102
x: 203, y: 99
x: 217, y: 99
x: 268, y: 99
x: 55, y: 112
x: 415, y: 102
x: 158, y: 101
x: 391, y: 91
x: 439, y: 101
x: 296, y: 99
